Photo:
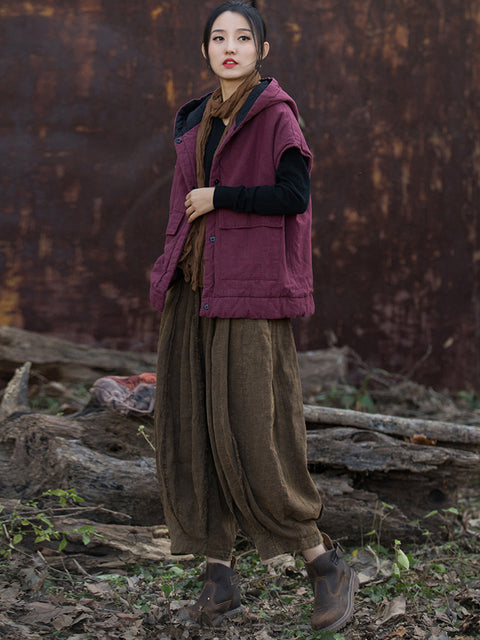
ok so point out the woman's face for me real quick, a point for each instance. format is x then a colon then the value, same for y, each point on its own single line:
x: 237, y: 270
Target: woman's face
x: 232, y: 51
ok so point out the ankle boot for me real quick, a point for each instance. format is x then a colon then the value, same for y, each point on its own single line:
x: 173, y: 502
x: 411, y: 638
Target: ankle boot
x: 334, y: 584
x: 220, y: 596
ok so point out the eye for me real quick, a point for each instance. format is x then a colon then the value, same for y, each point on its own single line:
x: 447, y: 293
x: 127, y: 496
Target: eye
x: 244, y: 38
x: 217, y: 38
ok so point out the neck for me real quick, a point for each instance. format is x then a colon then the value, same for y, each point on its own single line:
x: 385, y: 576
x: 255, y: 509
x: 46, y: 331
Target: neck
x: 229, y: 87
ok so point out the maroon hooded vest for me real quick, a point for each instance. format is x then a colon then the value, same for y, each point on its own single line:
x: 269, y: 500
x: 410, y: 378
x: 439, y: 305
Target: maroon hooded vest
x: 255, y: 266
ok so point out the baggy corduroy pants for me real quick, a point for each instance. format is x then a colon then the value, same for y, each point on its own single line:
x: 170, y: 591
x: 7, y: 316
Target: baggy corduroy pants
x: 230, y: 433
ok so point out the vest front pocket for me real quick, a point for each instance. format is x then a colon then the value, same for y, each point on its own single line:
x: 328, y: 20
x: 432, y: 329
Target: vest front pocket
x: 250, y: 254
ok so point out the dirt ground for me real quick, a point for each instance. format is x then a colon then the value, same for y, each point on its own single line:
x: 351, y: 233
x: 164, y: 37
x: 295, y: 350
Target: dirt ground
x: 422, y: 592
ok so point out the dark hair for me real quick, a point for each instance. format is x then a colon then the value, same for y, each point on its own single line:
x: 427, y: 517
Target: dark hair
x: 252, y: 16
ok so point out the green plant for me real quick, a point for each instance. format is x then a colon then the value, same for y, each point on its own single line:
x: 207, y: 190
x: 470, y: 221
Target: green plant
x: 402, y: 562
x: 382, y: 510
x: 448, y: 517
x: 27, y: 520
x: 471, y: 398
x: 349, y: 397
x: 141, y: 432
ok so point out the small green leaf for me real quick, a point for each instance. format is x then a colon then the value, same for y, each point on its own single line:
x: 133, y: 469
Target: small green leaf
x: 402, y: 560
x: 17, y: 538
x: 63, y: 544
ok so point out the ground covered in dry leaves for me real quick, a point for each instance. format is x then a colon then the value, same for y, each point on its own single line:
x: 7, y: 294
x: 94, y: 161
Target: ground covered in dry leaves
x: 436, y: 598
x: 428, y: 592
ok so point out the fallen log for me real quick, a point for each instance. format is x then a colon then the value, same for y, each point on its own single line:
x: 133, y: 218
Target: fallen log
x: 357, y: 471
x: 415, y: 479
x: 62, y: 360
x: 440, y: 432
x: 15, y: 398
x: 100, y: 455
x: 110, y: 545
x: 104, y: 459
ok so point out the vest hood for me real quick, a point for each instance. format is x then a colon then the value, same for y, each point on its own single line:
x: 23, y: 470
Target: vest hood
x: 264, y: 95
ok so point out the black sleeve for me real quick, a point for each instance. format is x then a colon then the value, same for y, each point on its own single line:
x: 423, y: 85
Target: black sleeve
x: 288, y: 196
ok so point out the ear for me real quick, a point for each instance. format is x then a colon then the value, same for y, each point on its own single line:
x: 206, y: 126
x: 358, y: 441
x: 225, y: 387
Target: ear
x: 266, y: 49
x: 204, y: 52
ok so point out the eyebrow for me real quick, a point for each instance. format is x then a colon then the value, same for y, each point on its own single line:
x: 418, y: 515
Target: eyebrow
x: 239, y: 29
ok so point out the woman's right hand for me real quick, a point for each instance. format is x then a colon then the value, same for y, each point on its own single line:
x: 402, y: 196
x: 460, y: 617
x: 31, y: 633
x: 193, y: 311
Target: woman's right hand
x: 199, y: 202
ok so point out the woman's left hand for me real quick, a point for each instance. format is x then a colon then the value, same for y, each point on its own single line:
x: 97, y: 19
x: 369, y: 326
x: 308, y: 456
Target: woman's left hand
x: 199, y: 202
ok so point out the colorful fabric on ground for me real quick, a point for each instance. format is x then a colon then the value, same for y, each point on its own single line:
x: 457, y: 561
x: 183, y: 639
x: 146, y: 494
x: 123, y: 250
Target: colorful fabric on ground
x: 126, y: 394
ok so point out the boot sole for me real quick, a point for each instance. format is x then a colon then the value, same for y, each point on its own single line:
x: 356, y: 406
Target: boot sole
x: 228, y: 615
x: 341, y: 622
x: 204, y: 620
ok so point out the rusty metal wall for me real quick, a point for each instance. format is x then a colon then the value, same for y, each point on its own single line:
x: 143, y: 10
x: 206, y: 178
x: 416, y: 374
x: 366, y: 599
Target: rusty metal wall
x: 389, y: 92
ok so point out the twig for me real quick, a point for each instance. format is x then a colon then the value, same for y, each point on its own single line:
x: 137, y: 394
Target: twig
x: 419, y: 363
x: 72, y: 582
x: 82, y: 570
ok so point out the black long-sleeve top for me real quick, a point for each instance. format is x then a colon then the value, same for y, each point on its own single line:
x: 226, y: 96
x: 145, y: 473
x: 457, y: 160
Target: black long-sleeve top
x: 288, y: 196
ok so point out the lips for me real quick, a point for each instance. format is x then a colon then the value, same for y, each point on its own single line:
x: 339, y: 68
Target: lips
x: 229, y: 63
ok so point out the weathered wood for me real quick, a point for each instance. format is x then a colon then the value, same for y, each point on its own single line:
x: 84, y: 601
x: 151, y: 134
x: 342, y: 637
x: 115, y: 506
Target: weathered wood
x: 414, y: 478
x: 322, y: 369
x: 58, y: 359
x: 359, y: 514
x: 357, y: 470
x: 441, y: 432
x: 15, y: 397
x: 367, y: 452
x: 112, y: 544
x: 102, y: 456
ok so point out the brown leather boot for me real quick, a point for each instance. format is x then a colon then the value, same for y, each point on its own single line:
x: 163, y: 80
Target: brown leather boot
x: 220, y: 596
x: 334, y: 585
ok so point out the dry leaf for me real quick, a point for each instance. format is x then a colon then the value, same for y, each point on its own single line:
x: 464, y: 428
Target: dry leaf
x: 99, y: 588
x: 401, y: 632
x: 366, y: 564
x: 263, y: 635
x: 280, y: 564
x: 420, y: 438
x: 9, y: 593
x: 397, y: 607
x: 44, y: 612
x: 437, y: 634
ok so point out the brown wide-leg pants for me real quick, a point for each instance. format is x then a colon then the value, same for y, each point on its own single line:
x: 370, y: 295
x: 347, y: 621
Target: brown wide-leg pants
x: 230, y: 433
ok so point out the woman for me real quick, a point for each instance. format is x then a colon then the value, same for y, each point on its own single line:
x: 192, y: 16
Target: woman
x: 229, y: 427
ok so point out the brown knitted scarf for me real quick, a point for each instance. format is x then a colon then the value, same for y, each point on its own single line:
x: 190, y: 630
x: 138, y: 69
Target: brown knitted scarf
x: 191, y: 261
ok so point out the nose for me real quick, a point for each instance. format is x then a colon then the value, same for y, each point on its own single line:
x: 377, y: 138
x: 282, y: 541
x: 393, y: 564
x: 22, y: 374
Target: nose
x: 230, y: 46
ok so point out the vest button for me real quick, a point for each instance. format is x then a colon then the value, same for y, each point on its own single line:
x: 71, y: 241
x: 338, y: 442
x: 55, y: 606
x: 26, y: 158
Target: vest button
x: 217, y: 181
x: 205, y: 306
x: 178, y: 140
x: 212, y: 238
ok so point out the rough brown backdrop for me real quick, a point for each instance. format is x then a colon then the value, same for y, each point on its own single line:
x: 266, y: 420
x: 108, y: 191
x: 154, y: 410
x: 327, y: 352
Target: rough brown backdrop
x: 389, y: 92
